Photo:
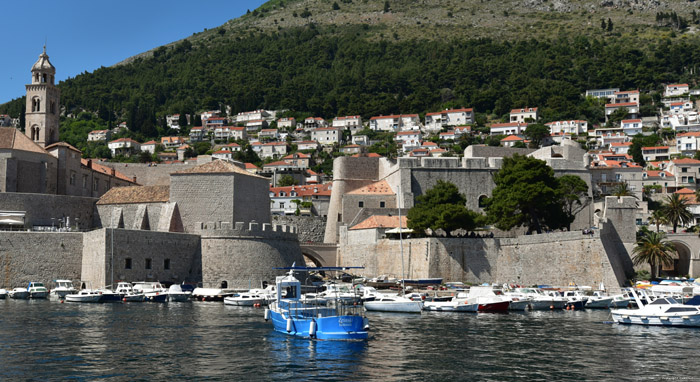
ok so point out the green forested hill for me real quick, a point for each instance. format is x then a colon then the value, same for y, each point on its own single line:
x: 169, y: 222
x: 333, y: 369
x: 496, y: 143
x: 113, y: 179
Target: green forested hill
x: 360, y: 59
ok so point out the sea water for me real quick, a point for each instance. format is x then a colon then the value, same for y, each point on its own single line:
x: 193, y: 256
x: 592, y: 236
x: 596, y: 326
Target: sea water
x: 48, y: 340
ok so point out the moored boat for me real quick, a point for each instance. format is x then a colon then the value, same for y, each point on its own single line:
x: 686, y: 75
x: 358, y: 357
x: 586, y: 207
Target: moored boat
x: 126, y: 291
x: 152, y: 290
x: 211, y: 294
x: 19, y: 293
x: 599, y: 300
x: 457, y: 303
x: 664, y: 311
x: 291, y: 316
x: 37, y: 290
x: 3, y: 294
x: 176, y: 294
x: 487, y: 300
x: 61, y: 289
x: 84, y: 296
x: 396, y: 304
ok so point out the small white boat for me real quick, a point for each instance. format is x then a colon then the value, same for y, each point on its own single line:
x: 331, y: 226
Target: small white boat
x: 599, y: 300
x: 61, y: 289
x: 37, y: 290
x: 458, y: 303
x: 538, y: 300
x: 487, y: 299
x: 211, y: 294
x: 244, y: 299
x: 19, y: 293
x: 3, y: 294
x: 575, y: 299
x: 663, y: 311
x: 154, y: 291
x: 127, y: 294
x: 398, y: 304
x: 85, y: 295
x: 176, y: 294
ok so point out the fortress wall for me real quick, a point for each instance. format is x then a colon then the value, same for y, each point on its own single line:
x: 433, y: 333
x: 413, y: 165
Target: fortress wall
x: 39, y: 256
x: 309, y: 228
x: 40, y: 208
x: 153, y: 175
x: 243, y: 255
x: 182, y: 251
x: 555, y: 259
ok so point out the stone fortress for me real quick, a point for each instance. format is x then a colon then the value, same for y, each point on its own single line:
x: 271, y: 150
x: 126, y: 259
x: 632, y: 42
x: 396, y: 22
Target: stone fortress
x: 207, y: 223
x: 210, y: 222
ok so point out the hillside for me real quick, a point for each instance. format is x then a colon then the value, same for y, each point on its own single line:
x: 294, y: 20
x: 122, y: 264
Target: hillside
x: 327, y: 58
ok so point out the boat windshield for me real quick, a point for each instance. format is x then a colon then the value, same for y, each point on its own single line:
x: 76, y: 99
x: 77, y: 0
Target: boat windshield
x: 662, y: 301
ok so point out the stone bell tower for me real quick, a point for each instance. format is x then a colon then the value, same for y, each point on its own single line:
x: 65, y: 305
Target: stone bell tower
x: 42, y: 103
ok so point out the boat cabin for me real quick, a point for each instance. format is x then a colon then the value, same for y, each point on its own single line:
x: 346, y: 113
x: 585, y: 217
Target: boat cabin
x: 288, y: 287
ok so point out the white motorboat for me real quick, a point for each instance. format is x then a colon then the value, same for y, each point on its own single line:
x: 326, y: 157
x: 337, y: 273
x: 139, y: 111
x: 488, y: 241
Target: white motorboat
x: 599, y: 300
x: 399, y: 304
x: 3, y: 294
x: 85, y: 296
x: 19, y: 293
x: 153, y: 290
x: 575, y: 299
x: 538, y: 300
x: 245, y: 299
x: 127, y: 294
x: 458, y: 303
x: 61, y: 289
x: 664, y: 311
x: 176, y: 294
x: 487, y: 299
x: 37, y: 290
x: 367, y: 293
x: 211, y: 294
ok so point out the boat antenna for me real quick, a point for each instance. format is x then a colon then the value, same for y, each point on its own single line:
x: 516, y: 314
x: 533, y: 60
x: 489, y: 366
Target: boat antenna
x: 403, y: 272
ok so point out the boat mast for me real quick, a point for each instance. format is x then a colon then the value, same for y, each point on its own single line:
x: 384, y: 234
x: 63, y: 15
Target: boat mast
x: 403, y: 272
x: 111, y: 265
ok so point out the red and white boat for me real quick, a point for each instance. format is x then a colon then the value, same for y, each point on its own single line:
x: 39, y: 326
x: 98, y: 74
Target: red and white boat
x: 487, y: 300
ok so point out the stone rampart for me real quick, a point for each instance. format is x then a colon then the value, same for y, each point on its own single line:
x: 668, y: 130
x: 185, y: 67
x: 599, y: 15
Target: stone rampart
x: 39, y: 209
x: 556, y: 259
x: 139, y: 255
x: 243, y: 255
x: 308, y: 228
x: 39, y: 256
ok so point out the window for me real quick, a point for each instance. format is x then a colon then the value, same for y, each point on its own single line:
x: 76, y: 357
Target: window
x: 72, y: 178
x: 85, y: 182
x: 127, y: 263
x: 361, y: 204
x: 166, y: 264
x: 95, y: 184
x: 148, y: 264
x: 382, y: 204
x: 281, y: 204
x: 684, y: 169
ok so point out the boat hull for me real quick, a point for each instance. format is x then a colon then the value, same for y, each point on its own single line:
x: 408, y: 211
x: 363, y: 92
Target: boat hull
x: 39, y: 295
x: 599, y: 304
x: 395, y: 307
x: 519, y: 305
x: 178, y: 297
x: 438, y: 306
x: 625, y: 318
x: 156, y: 297
x: 23, y: 295
x: 327, y: 328
x: 242, y: 302
x: 494, y: 307
x: 83, y: 298
x: 134, y: 298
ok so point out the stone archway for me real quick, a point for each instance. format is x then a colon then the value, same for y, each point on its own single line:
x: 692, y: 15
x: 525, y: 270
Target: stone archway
x: 681, y: 261
x: 311, y: 258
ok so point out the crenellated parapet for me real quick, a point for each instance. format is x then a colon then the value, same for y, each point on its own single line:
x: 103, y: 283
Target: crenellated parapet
x: 241, y: 230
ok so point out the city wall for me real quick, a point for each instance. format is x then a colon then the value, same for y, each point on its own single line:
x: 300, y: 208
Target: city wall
x: 554, y: 258
x: 308, y: 228
x: 243, y: 255
x: 39, y: 256
x: 174, y: 257
x: 41, y: 208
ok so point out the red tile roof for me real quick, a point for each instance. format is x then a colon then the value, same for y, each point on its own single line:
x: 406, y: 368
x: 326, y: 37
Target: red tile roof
x: 381, y: 221
x: 378, y: 188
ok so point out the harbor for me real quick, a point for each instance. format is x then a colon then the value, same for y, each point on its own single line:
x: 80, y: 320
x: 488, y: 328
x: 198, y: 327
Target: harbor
x: 214, y: 341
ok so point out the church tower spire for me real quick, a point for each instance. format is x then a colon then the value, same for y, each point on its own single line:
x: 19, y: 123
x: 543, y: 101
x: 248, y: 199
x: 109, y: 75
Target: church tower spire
x: 43, y: 98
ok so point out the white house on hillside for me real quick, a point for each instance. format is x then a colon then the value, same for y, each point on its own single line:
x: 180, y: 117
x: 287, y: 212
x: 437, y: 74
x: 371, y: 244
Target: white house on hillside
x: 527, y: 114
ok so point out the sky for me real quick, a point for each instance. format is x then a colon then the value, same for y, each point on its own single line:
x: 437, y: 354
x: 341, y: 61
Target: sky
x: 83, y: 35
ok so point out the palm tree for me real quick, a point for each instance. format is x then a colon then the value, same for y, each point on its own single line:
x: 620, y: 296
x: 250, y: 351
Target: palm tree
x: 623, y: 189
x: 676, y: 211
x: 658, y: 218
x: 653, y: 249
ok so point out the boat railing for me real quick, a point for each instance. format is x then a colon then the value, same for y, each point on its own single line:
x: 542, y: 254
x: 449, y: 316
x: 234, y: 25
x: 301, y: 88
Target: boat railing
x: 301, y: 309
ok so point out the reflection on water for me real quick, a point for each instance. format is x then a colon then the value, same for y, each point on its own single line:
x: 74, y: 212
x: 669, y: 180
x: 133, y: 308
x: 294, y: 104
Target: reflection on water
x: 197, y: 341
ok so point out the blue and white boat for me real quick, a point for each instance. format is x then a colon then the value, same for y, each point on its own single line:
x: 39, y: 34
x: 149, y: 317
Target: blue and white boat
x: 334, y: 321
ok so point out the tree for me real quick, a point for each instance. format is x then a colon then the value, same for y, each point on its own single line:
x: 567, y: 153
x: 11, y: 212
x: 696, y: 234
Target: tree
x: 610, y: 25
x: 336, y: 6
x: 603, y: 26
x: 658, y: 218
x: 526, y: 194
x: 441, y: 207
x: 286, y: 181
x: 623, y: 189
x: 387, y: 7
x: 536, y: 132
x: 654, y: 250
x: 676, y: 211
x: 182, y: 120
x: 573, y: 192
